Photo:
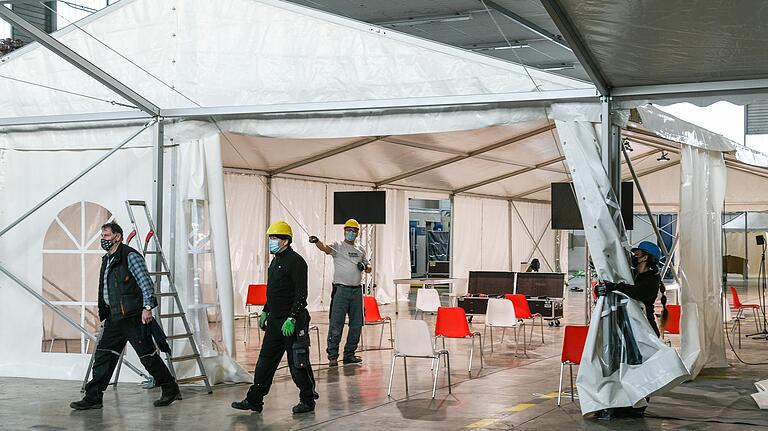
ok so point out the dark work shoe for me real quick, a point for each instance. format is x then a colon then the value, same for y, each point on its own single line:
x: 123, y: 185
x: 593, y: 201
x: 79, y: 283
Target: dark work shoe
x: 353, y: 360
x: 333, y: 362
x: 246, y: 405
x: 303, y: 408
x: 85, y: 404
x: 168, y: 397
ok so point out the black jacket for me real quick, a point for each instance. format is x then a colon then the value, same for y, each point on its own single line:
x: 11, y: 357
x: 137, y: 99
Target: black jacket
x: 645, y: 290
x: 286, y: 285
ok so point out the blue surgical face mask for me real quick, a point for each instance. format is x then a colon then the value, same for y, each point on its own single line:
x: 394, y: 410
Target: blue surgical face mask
x: 274, y: 246
x: 350, y: 235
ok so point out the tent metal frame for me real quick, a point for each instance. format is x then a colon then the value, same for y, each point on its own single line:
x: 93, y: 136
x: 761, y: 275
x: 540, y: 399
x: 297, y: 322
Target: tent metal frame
x: 330, y: 153
x: 458, y: 158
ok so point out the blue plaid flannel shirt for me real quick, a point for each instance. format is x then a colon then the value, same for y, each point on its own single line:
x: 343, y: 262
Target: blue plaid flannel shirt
x: 138, y: 268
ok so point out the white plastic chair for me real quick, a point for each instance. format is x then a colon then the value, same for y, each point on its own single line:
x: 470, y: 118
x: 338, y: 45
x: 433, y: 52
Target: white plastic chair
x: 427, y: 301
x: 501, y: 314
x: 412, y: 339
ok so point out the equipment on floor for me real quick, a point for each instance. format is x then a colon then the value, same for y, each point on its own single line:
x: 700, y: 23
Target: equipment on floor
x: 160, y: 269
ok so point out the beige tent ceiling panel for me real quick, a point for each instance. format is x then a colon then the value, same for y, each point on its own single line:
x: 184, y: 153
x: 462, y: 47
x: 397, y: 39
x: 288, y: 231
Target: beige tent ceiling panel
x: 242, y: 151
x: 457, y: 174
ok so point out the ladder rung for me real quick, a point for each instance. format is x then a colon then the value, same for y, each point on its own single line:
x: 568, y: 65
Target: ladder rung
x: 165, y: 294
x: 191, y: 379
x: 184, y: 358
x: 159, y: 273
x: 179, y: 336
x: 168, y: 316
x: 137, y: 203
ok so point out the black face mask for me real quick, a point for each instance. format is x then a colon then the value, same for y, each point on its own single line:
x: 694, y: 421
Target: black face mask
x: 107, y: 244
x: 634, y: 261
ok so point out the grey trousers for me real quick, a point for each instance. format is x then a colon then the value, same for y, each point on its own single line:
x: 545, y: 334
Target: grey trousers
x: 347, y: 301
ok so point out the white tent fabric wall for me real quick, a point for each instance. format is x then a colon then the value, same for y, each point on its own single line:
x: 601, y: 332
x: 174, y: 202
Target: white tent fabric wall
x: 392, y: 259
x: 30, y: 174
x: 702, y: 191
x: 536, y: 219
x: 302, y: 205
x: 480, y: 239
x: 246, y: 203
x: 198, y: 168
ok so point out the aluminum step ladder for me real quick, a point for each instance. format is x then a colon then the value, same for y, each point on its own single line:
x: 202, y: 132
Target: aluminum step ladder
x: 162, y: 269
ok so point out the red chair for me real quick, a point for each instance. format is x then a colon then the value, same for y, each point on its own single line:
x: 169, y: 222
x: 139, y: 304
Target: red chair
x: 452, y: 323
x: 372, y: 316
x: 256, y: 297
x: 740, y: 307
x: 672, y: 325
x: 522, y: 311
x: 573, y: 347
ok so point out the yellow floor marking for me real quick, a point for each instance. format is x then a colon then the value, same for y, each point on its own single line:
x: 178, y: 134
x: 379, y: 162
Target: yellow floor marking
x: 520, y: 407
x: 481, y: 423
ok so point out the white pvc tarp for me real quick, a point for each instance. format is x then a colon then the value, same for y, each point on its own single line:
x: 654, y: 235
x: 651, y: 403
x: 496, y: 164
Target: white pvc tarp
x: 601, y: 387
x: 603, y: 226
x: 702, y: 190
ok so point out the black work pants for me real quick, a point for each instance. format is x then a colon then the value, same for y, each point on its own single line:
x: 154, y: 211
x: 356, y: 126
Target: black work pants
x: 273, y: 346
x: 113, y: 339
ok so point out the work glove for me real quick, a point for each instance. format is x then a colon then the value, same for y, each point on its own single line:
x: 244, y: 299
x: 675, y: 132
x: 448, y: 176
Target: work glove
x: 288, y: 327
x: 361, y: 266
x: 263, y: 320
x: 313, y: 239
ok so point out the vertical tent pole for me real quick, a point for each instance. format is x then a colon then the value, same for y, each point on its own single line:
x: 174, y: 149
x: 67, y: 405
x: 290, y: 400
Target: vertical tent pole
x: 158, y: 135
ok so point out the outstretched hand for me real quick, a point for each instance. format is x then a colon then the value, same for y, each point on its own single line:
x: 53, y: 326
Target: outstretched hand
x: 313, y: 239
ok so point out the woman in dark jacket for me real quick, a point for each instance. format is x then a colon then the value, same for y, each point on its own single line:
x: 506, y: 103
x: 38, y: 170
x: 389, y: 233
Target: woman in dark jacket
x: 648, y: 284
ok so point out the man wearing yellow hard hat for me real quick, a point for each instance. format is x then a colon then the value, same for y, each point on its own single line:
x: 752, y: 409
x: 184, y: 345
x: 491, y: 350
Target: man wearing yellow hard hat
x: 285, y: 320
x: 349, y: 262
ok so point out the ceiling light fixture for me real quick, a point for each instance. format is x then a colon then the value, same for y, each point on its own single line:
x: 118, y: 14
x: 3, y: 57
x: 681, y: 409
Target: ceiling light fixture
x: 627, y: 146
x: 663, y: 157
x: 501, y: 47
x: 425, y: 20
x: 562, y: 66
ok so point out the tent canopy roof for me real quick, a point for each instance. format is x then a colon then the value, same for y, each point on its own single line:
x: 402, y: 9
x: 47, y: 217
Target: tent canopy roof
x: 755, y: 221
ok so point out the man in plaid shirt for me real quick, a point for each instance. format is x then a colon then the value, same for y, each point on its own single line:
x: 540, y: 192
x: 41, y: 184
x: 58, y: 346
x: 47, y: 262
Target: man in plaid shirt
x: 126, y: 300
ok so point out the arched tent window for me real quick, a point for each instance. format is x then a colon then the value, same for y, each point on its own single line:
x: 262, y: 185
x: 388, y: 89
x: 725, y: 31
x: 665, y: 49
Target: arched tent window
x: 71, y: 262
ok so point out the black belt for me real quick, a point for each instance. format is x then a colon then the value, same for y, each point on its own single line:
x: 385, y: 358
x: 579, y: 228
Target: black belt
x: 351, y: 287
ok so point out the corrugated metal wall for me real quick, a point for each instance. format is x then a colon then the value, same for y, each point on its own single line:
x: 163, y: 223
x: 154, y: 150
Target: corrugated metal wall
x: 38, y: 15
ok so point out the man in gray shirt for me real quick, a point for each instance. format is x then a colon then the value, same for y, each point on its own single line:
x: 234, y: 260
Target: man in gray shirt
x: 349, y: 263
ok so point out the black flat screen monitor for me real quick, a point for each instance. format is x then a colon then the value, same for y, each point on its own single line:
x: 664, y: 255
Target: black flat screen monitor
x: 494, y: 283
x: 365, y: 207
x: 543, y: 284
x: 565, y: 210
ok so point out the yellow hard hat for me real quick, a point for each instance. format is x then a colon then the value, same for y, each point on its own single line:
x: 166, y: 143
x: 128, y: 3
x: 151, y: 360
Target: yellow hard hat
x: 352, y: 223
x: 280, y: 228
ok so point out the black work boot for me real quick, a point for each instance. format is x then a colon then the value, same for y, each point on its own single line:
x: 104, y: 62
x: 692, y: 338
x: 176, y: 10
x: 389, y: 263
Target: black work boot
x: 169, y: 395
x: 303, y: 407
x: 333, y: 362
x: 247, y: 405
x: 85, y: 404
x: 353, y: 360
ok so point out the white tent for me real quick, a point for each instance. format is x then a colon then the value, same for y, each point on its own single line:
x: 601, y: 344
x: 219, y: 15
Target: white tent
x: 266, y: 109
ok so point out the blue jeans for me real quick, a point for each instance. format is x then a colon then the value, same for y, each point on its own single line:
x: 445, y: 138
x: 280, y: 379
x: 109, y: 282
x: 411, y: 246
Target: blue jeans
x: 347, y: 301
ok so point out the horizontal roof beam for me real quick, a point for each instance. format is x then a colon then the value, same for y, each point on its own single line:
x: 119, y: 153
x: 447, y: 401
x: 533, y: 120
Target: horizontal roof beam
x: 694, y: 89
x: 79, y: 62
x: 529, y: 98
x: 468, y: 155
x: 509, y: 175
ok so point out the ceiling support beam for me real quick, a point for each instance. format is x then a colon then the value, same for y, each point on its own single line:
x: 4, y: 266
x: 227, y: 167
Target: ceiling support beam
x: 641, y: 174
x: 585, y: 57
x: 465, y: 156
x: 421, y: 146
x: 325, y: 155
x: 506, y: 100
x: 79, y: 62
x: 693, y: 89
x: 508, y: 175
x: 555, y: 38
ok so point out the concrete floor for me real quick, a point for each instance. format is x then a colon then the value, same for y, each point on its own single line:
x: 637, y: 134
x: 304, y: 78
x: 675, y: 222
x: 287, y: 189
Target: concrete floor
x: 511, y: 392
